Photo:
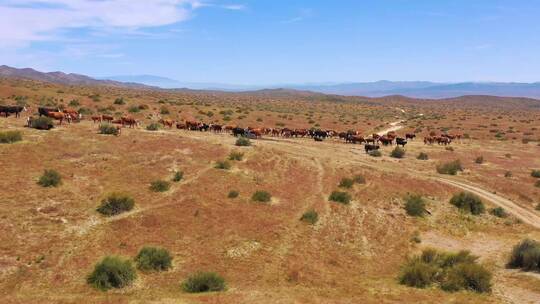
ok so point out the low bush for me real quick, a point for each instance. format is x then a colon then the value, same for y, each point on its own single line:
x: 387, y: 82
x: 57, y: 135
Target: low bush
x: 508, y: 174
x: 375, y: 153
x: 243, y: 142
x: 160, y: 186
x: 223, y: 165
x: 538, y: 207
x: 116, y: 203
x: 498, y: 212
x: 479, y: 160
x: 340, y: 197
x: 153, y: 127
x: 261, y: 196
x: 238, y: 156
x: 415, y: 205
x: 468, y: 202
x: 233, y: 194
x: 8, y: 137
x: 450, y: 168
x: 346, y: 183
x: 310, y: 216
x: 422, y: 156
x: 112, y: 272
x: 526, y: 255
x: 50, y: 178
x: 107, y: 128
x: 398, y: 152
x: 535, y: 173
x: 178, y: 175
x: 537, y: 184
x: 204, y: 282
x: 153, y: 258
x: 134, y: 109
x: 450, y: 271
x: 359, y: 179
x: 119, y: 101
x: 42, y: 123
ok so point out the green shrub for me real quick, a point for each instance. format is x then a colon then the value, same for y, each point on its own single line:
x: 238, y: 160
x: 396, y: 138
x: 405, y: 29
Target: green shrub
x: 468, y: 202
x: 153, y: 258
x: 537, y: 184
x: 450, y: 168
x: 50, y: 178
x: 178, y: 175
x: 233, y: 194
x: 479, y: 160
x: 164, y: 111
x: 243, y: 142
x: 418, y: 274
x: 134, y: 109
x: 223, y: 165
x: 375, y: 153
x: 538, y: 207
x: 359, y: 179
x: 467, y: 276
x: 119, y: 101
x: 116, y: 203
x: 340, y: 197
x: 398, y: 152
x: 508, y: 174
x: 535, y: 173
x: 346, y: 183
x: 261, y: 196
x: 525, y: 255
x: 236, y: 156
x: 498, y: 212
x: 310, y: 216
x: 415, y: 205
x: 204, y: 282
x: 8, y: 137
x: 107, y: 128
x: 160, y: 186
x: 42, y: 123
x: 153, y: 127
x: 422, y: 156
x: 112, y: 272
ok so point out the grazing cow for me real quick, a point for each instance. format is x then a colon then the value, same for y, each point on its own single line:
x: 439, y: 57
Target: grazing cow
x: 355, y: 139
x: 369, y: 147
x: 320, y: 134
x: 96, y: 118
x: 12, y: 110
x: 107, y: 118
x: 385, y: 140
x: 73, y: 114
x: 167, y: 122
x: 44, y: 111
x: 443, y: 140
x: 59, y: 116
x: 343, y: 135
x: 428, y: 140
x: 276, y: 132
x: 216, y: 128
x: 238, y: 132
x: 180, y: 126
x: 192, y: 125
x: 401, y: 142
x: 228, y: 129
x: 129, y: 121
x: 410, y: 136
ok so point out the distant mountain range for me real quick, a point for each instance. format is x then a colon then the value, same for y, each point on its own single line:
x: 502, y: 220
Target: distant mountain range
x: 415, y: 89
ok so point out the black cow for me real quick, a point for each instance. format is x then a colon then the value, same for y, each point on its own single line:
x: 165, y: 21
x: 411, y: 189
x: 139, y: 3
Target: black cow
x: 369, y: 147
x: 410, y: 136
x: 320, y: 134
x: 204, y: 127
x: 401, y: 142
x: 12, y: 110
x: 45, y: 111
x: 238, y: 132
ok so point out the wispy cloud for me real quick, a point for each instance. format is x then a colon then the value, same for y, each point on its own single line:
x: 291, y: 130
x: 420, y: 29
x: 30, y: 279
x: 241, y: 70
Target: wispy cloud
x: 302, y: 15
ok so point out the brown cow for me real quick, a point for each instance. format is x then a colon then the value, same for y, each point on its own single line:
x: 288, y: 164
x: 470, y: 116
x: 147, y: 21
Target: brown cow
x: 130, y: 121
x: 59, y: 116
x: 167, y: 122
x: 107, y: 118
x: 96, y: 118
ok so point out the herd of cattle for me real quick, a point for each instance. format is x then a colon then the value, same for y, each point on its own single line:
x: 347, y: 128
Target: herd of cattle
x: 372, y: 142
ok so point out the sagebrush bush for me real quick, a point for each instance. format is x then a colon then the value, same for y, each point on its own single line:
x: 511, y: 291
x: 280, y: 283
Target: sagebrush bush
x: 525, y: 255
x: 50, y: 178
x: 116, y: 203
x: 134, y: 109
x: 261, y: 196
x: 346, y: 183
x: 479, y: 160
x: 398, y: 152
x: 375, y: 153
x: 112, y: 272
x: 243, y: 142
x: 450, y: 271
x: 153, y: 258
x: 107, y: 128
x: 415, y: 205
x: 42, y: 123
x: 535, y: 173
x: 178, y: 175
x: 498, y: 212
x: 153, y: 127
x: 204, y: 282
x: 238, y: 156
x: 359, y: 179
x: 160, y: 186
x: 8, y: 137
x: 233, y: 194
x: 311, y: 216
x: 340, y: 197
x: 119, y: 101
x: 537, y: 184
x: 450, y: 168
x: 223, y: 165
x: 422, y: 156
x: 508, y: 174
x: 468, y: 202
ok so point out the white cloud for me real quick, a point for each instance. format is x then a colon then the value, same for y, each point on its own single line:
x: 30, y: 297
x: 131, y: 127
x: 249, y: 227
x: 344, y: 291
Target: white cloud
x: 25, y: 21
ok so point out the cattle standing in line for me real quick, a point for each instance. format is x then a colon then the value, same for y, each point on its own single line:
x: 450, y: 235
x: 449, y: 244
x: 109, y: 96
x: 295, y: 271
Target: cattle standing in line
x: 369, y: 147
x: 96, y: 118
x: 12, y: 110
x: 129, y: 121
x: 401, y: 142
x: 45, y: 111
x: 167, y: 122
x: 238, y: 132
x: 60, y: 116
x: 410, y: 136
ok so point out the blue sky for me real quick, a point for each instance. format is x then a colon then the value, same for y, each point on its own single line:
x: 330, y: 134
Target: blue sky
x: 277, y: 41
